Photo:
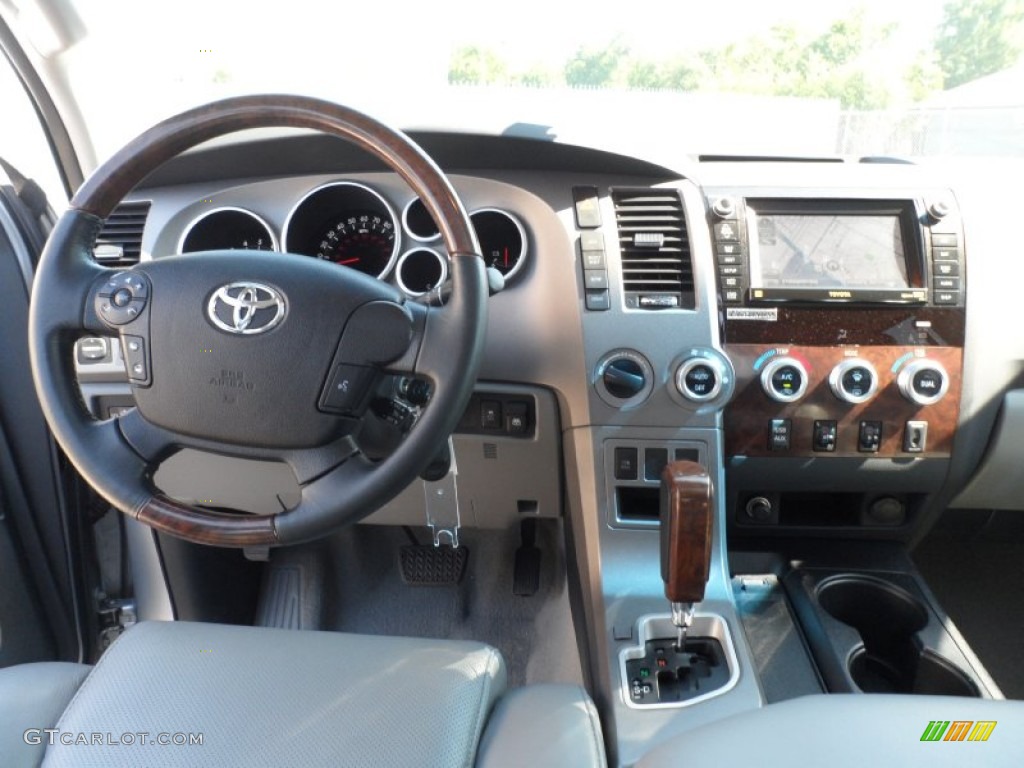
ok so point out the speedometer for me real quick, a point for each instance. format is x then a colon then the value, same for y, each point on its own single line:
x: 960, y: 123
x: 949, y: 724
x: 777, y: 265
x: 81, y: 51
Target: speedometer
x: 362, y: 240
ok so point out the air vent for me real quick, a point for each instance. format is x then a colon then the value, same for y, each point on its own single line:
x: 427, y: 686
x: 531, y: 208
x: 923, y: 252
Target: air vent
x: 119, y: 243
x: 657, y: 272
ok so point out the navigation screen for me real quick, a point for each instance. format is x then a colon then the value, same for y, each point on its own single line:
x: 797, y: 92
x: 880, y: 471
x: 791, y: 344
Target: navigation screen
x: 829, y: 250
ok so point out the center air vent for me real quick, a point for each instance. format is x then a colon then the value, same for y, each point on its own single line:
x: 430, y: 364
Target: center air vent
x: 119, y: 243
x: 657, y: 272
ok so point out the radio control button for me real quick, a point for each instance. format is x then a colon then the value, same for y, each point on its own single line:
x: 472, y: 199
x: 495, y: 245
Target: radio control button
x: 923, y: 381
x: 784, y: 379
x: 946, y: 283
x: 729, y: 249
x: 854, y: 380
x: 727, y: 260
x: 724, y: 208
x: 946, y: 254
x: 945, y: 241
x: 946, y: 269
x: 947, y: 297
x: 731, y: 297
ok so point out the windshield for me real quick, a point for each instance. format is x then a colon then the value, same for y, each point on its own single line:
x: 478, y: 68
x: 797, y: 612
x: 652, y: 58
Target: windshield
x: 788, y: 77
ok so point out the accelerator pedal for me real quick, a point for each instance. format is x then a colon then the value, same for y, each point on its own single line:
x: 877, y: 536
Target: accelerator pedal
x: 526, y: 577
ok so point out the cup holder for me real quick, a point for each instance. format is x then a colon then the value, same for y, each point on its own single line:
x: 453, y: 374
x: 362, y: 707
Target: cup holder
x: 892, y: 659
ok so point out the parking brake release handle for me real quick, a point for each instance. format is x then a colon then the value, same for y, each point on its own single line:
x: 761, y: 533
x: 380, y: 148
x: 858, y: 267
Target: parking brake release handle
x: 686, y: 520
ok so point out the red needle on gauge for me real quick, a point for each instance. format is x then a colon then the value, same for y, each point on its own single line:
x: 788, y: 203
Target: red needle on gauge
x: 350, y: 261
x: 506, y: 256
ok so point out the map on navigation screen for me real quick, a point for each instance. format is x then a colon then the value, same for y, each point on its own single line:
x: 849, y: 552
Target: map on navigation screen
x: 823, y: 251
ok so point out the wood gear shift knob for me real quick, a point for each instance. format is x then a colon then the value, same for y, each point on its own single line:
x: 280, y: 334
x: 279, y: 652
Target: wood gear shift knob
x: 686, y: 512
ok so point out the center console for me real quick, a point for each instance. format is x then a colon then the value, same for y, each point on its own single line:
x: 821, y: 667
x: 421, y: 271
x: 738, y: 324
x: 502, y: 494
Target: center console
x: 805, y: 345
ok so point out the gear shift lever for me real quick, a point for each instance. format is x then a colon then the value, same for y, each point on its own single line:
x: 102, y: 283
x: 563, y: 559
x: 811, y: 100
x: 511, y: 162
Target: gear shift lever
x: 685, y: 539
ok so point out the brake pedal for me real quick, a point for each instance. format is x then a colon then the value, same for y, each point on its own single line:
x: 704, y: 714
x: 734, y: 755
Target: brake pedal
x: 423, y: 565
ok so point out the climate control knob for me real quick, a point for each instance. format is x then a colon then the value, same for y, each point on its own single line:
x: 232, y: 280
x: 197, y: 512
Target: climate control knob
x: 854, y: 380
x: 923, y: 381
x: 784, y: 379
x: 700, y: 379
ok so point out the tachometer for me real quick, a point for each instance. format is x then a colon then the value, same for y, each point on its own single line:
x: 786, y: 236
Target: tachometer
x: 347, y: 223
x: 362, y: 240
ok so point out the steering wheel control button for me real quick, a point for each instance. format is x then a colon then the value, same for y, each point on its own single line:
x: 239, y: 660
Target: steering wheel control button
x: 135, y: 359
x: 625, y: 463
x: 784, y: 379
x: 826, y: 435
x: 923, y: 381
x: 347, y: 388
x: 122, y: 298
x: 780, y: 433
x: 854, y: 380
x: 93, y: 351
x: 869, y: 437
x: 915, y: 436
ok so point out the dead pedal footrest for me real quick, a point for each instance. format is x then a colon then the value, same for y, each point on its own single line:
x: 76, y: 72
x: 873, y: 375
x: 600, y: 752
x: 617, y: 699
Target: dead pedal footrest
x: 425, y: 565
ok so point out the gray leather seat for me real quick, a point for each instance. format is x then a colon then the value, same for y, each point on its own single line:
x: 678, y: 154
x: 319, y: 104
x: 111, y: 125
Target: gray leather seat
x: 267, y: 697
x: 852, y: 730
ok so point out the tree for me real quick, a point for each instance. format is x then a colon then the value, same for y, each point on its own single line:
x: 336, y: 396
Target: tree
x: 595, y: 66
x: 978, y: 37
x: 471, y: 65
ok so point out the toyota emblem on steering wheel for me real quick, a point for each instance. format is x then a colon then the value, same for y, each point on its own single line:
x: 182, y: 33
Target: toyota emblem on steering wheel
x: 246, y: 308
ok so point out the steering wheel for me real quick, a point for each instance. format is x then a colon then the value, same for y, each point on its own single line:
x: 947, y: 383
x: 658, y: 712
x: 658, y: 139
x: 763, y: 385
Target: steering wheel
x: 264, y: 355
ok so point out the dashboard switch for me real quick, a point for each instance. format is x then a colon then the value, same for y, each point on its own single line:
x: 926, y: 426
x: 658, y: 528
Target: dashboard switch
x: 625, y: 463
x: 915, y: 436
x: 869, y: 438
x: 598, y: 301
x: 826, y: 434
x: 516, y: 417
x: 780, y: 432
x: 490, y: 414
x: 587, y: 207
x: 655, y: 460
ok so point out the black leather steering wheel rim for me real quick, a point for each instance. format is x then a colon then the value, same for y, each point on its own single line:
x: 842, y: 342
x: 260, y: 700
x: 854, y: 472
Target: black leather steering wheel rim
x: 338, y: 487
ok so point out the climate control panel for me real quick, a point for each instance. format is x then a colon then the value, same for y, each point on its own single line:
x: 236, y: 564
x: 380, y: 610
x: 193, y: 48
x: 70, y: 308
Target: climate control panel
x: 842, y: 401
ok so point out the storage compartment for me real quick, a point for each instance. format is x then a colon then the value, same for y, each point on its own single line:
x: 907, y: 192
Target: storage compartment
x: 888, y: 619
x: 875, y: 633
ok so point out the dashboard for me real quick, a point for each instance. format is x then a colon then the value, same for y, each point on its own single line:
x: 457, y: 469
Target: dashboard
x: 828, y: 339
x: 820, y: 326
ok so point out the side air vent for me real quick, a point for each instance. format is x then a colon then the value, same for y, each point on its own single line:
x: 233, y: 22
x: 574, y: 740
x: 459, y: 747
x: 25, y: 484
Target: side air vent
x: 119, y: 243
x: 657, y: 271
